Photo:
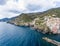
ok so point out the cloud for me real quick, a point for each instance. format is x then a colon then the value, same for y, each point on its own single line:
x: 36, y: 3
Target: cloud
x: 11, y: 4
x: 32, y: 7
x: 10, y: 8
x: 3, y: 2
x: 14, y: 11
x: 45, y: 4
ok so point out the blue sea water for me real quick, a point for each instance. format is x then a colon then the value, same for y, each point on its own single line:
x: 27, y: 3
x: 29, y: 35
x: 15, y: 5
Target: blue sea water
x: 11, y: 35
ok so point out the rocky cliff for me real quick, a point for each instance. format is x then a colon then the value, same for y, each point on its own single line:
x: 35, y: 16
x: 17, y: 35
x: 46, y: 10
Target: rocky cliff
x: 42, y: 21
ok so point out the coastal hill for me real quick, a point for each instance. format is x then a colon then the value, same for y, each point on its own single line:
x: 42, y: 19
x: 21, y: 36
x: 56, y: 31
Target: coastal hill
x: 4, y: 19
x: 45, y: 22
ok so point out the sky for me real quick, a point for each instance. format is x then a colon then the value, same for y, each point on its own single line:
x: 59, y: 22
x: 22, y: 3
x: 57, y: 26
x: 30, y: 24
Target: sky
x: 11, y: 8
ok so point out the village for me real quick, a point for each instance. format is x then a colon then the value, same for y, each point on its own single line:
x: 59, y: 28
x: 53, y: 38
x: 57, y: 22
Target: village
x: 53, y: 23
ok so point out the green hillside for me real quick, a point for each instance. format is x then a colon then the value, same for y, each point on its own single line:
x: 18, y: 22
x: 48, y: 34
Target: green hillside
x: 29, y: 18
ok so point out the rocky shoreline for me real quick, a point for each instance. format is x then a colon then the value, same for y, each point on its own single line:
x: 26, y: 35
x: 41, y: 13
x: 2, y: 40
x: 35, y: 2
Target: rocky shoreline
x: 33, y: 27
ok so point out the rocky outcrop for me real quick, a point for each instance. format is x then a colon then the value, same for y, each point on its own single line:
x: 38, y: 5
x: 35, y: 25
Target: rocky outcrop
x: 51, y: 41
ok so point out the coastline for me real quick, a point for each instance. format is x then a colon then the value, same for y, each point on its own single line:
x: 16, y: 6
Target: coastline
x: 35, y: 28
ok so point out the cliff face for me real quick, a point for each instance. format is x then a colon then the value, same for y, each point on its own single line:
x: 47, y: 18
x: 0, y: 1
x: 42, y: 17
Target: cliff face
x: 45, y: 22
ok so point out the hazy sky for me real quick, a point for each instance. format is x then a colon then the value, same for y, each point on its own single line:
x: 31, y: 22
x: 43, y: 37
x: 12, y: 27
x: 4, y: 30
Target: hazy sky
x: 10, y: 8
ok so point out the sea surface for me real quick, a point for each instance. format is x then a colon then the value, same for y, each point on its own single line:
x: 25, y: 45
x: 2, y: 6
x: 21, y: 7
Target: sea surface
x: 12, y: 35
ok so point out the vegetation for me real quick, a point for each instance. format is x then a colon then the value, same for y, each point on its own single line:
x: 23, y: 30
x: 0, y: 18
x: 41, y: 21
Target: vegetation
x: 27, y: 18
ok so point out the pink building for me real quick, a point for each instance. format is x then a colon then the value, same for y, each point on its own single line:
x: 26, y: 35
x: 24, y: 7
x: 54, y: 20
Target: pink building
x: 55, y: 29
